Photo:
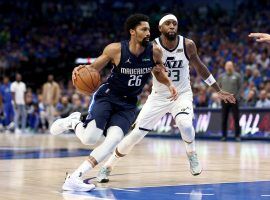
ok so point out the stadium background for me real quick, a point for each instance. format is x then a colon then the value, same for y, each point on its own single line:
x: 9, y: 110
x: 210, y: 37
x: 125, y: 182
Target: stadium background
x: 39, y: 38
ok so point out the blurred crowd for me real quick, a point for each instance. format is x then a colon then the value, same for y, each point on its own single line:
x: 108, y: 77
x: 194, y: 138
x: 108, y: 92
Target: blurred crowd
x: 38, y: 38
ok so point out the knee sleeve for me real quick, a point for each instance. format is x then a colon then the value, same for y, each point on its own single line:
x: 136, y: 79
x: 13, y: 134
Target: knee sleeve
x: 114, y: 136
x: 185, y: 126
x: 91, y: 134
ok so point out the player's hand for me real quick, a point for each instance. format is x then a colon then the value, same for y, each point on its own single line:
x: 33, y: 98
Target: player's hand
x: 174, y: 93
x: 75, y: 72
x: 226, y: 96
x: 260, y: 37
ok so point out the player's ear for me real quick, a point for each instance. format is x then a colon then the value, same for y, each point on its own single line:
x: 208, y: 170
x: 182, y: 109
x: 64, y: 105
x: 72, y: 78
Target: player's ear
x: 132, y: 32
x: 159, y: 28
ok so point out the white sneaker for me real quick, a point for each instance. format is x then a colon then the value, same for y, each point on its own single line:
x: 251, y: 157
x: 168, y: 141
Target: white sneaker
x: 64, y: 124
x: 195, y: 167
x: 18, y: 131
x: 76, y: 184
x: 103, y: 174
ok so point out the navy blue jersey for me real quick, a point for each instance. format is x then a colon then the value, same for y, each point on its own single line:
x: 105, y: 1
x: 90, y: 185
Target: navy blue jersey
x: 132, y: 72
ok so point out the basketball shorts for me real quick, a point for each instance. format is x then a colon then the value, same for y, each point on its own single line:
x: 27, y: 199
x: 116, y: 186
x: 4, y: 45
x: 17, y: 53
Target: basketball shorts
x: 157, y: 105
x: 109, y: 109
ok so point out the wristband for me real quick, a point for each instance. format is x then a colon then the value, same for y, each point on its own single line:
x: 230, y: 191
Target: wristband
x: 210, y: 80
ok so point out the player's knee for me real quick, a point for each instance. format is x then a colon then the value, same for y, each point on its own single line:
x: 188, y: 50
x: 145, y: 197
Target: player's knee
x: 186, y: 128
x: 91, y: 134
x: 115, y: 133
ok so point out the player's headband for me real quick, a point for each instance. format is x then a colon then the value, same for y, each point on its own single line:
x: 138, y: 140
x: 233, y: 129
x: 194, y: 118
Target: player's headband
x: 167, y: 17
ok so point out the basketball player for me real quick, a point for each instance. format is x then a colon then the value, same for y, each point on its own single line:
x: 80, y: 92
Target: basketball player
x: 178, y: 54
x: 113, y: 108
x: 260, y: 37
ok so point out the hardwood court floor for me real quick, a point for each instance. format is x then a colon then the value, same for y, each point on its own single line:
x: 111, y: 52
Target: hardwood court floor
x: 153, y: 162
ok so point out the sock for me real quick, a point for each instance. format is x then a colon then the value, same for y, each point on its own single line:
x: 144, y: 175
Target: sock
x: 113, y: 160
x: 82, y: 169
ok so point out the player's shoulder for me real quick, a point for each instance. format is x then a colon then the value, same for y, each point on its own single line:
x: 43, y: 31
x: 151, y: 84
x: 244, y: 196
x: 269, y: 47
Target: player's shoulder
x: 156, y: 48
x: 112, y: 49
x: 116, y: 46
x: 189, y: 42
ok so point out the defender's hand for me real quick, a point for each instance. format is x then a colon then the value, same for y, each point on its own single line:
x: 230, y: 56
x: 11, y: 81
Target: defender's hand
x: 174, y: 93
x: 260, y: 37
x: 226, y: 96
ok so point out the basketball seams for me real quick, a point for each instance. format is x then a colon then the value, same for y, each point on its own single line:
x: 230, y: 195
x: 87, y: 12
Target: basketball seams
x: 85, y: 92
x: 91, y: 89
x: 90, y: 76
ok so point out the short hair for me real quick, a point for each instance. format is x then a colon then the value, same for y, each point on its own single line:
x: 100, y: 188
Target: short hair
x: 134, y: 20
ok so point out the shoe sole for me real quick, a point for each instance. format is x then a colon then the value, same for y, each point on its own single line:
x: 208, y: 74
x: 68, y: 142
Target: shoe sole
x: 79, y: 189
x: 196, y: 174
x: 103, y: 180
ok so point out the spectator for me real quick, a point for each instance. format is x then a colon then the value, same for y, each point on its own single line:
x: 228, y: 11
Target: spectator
x: 231, y: 82
x: 6, y: 97
x: 18, y: 90
x: 215, y: 101
x: 263, y: 102
x: 50, y: 96
x: 77, y: 104
x: 64, y: 108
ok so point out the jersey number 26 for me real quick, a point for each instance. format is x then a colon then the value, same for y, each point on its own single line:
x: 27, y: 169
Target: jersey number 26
x: 135, y: 80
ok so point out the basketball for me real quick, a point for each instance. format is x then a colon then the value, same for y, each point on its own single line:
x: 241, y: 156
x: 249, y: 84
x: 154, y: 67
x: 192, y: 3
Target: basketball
x: 87, y: 80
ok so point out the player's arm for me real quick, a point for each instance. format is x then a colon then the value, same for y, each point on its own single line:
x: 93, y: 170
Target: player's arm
x: 107, y: 55
x: 203, y: 71
x: 260, y: 37
x: 160, y: 74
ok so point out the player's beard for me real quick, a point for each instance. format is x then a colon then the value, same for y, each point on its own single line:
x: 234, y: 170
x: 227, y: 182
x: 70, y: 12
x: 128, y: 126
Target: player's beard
x: 145, y: 42
x: 170, y: 37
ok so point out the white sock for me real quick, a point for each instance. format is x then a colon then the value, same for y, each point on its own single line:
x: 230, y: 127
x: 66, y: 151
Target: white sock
x: 190, y: 147
x: 112, y: 161
x: 82, y: 169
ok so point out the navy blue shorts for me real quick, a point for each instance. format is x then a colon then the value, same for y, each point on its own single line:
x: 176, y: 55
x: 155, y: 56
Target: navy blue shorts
x: 109, y: 109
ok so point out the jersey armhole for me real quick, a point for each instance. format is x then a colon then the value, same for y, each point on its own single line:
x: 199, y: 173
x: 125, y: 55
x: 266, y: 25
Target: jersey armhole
x: 185, y: 49
x: 121, y: 53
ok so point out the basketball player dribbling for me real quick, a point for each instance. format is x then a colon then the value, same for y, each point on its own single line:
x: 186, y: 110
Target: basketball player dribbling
x: 260, y: 37
x: 113, y: 106
x: 178, y: 54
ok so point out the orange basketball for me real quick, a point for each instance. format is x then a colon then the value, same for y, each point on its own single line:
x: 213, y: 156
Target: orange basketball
x: 87, y: 80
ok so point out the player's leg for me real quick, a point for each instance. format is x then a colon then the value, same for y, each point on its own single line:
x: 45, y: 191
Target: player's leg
x: 114, y: 135
x: 150, y: 114
x: 183, y: 114
x: 91, y: 130
x: 118, y: 124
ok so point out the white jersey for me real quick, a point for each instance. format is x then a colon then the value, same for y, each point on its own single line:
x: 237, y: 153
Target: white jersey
x: 177, y: 64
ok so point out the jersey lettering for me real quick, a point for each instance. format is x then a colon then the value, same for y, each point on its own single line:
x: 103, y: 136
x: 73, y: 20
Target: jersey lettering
x: 174, y: 68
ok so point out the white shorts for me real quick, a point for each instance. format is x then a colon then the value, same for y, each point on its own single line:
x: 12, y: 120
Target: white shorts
x: 157, y: 105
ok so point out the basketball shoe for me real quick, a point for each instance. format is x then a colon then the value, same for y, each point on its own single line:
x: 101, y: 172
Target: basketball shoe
x: 76, y: 184
x: 103, y: 174
x: 64, y: 124
x: 195, y: 167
